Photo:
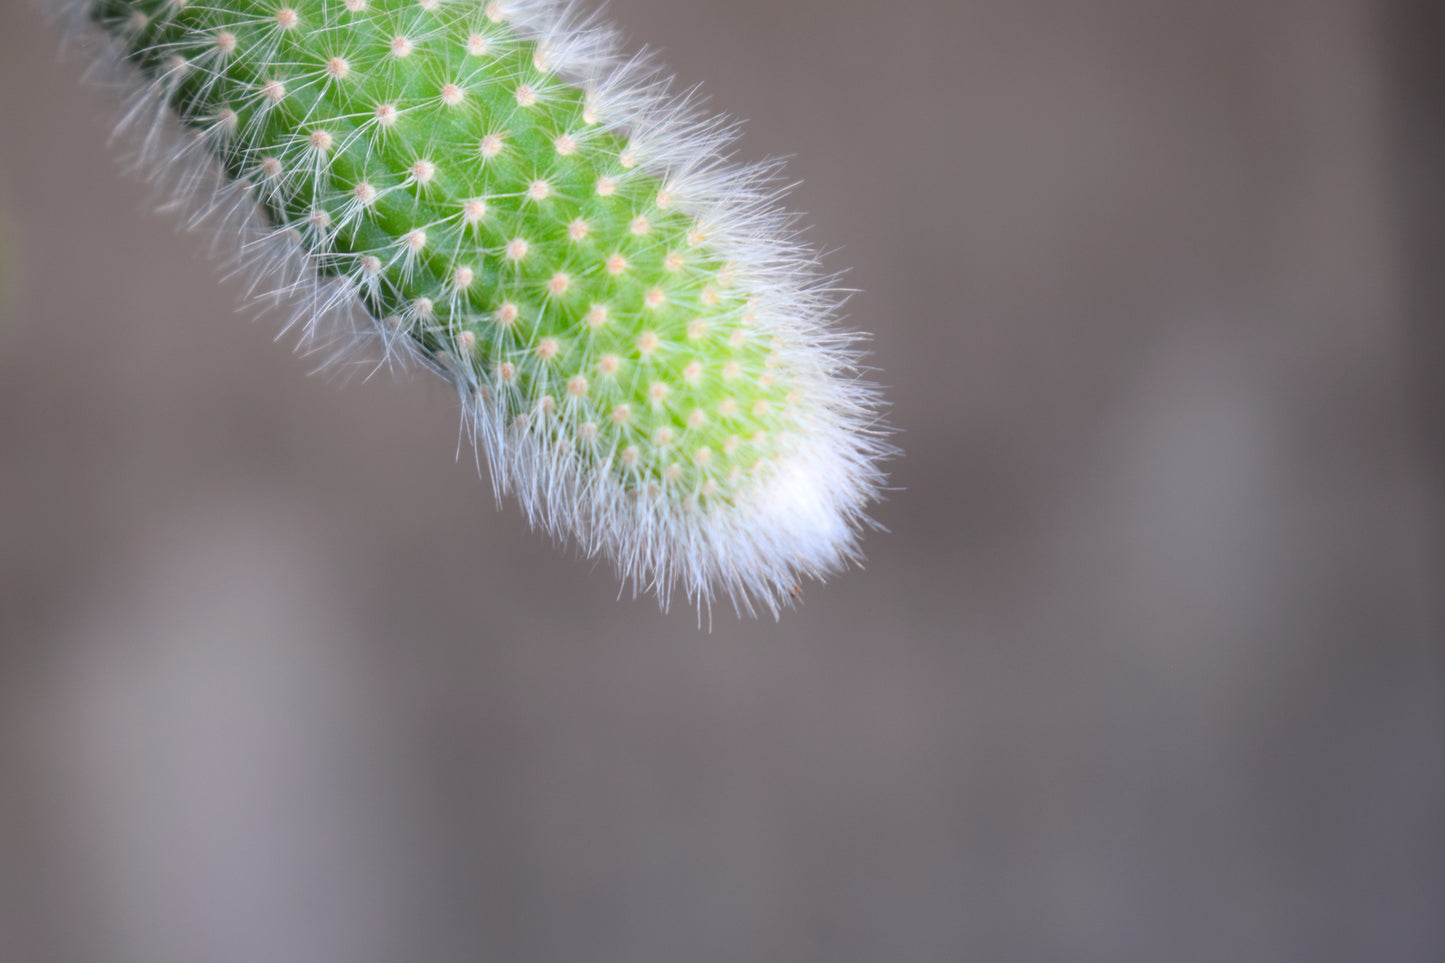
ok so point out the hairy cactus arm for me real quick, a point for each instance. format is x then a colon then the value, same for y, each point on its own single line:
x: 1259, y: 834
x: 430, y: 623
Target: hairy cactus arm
x: 641, y: 347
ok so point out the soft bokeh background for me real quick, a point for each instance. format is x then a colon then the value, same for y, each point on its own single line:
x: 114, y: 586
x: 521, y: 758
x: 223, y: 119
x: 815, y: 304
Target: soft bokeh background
x: 1149, y: 667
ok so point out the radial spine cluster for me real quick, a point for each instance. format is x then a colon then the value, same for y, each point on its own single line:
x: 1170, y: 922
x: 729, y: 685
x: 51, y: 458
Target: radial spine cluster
x: 619, y: 335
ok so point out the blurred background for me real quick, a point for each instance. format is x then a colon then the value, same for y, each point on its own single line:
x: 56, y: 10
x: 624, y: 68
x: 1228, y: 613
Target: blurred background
x: 1149, y: 666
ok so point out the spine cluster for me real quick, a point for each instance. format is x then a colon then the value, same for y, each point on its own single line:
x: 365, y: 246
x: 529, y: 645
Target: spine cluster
x: 640, y: 346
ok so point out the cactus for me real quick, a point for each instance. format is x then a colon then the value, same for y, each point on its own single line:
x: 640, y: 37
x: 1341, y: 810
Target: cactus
x: 641, y: 345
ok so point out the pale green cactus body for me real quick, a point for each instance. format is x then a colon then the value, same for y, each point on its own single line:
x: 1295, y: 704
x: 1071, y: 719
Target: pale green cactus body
x: 627, y: 322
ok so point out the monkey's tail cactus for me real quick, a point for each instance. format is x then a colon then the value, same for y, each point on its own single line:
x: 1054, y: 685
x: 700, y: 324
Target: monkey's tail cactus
x: 642, y: 346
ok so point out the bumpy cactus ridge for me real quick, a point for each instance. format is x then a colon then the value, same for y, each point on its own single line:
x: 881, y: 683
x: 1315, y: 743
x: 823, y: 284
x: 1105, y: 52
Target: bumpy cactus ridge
x: 490, y: 215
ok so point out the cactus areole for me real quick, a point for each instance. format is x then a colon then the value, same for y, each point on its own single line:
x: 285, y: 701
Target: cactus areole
x: 642, y: 347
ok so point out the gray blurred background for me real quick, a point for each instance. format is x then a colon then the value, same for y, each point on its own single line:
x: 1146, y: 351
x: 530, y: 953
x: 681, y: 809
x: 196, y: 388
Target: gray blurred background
x: 1149, y: 667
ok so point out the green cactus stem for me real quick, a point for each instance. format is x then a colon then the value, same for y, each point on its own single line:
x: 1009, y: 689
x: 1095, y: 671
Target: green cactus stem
x: 626, y: 318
